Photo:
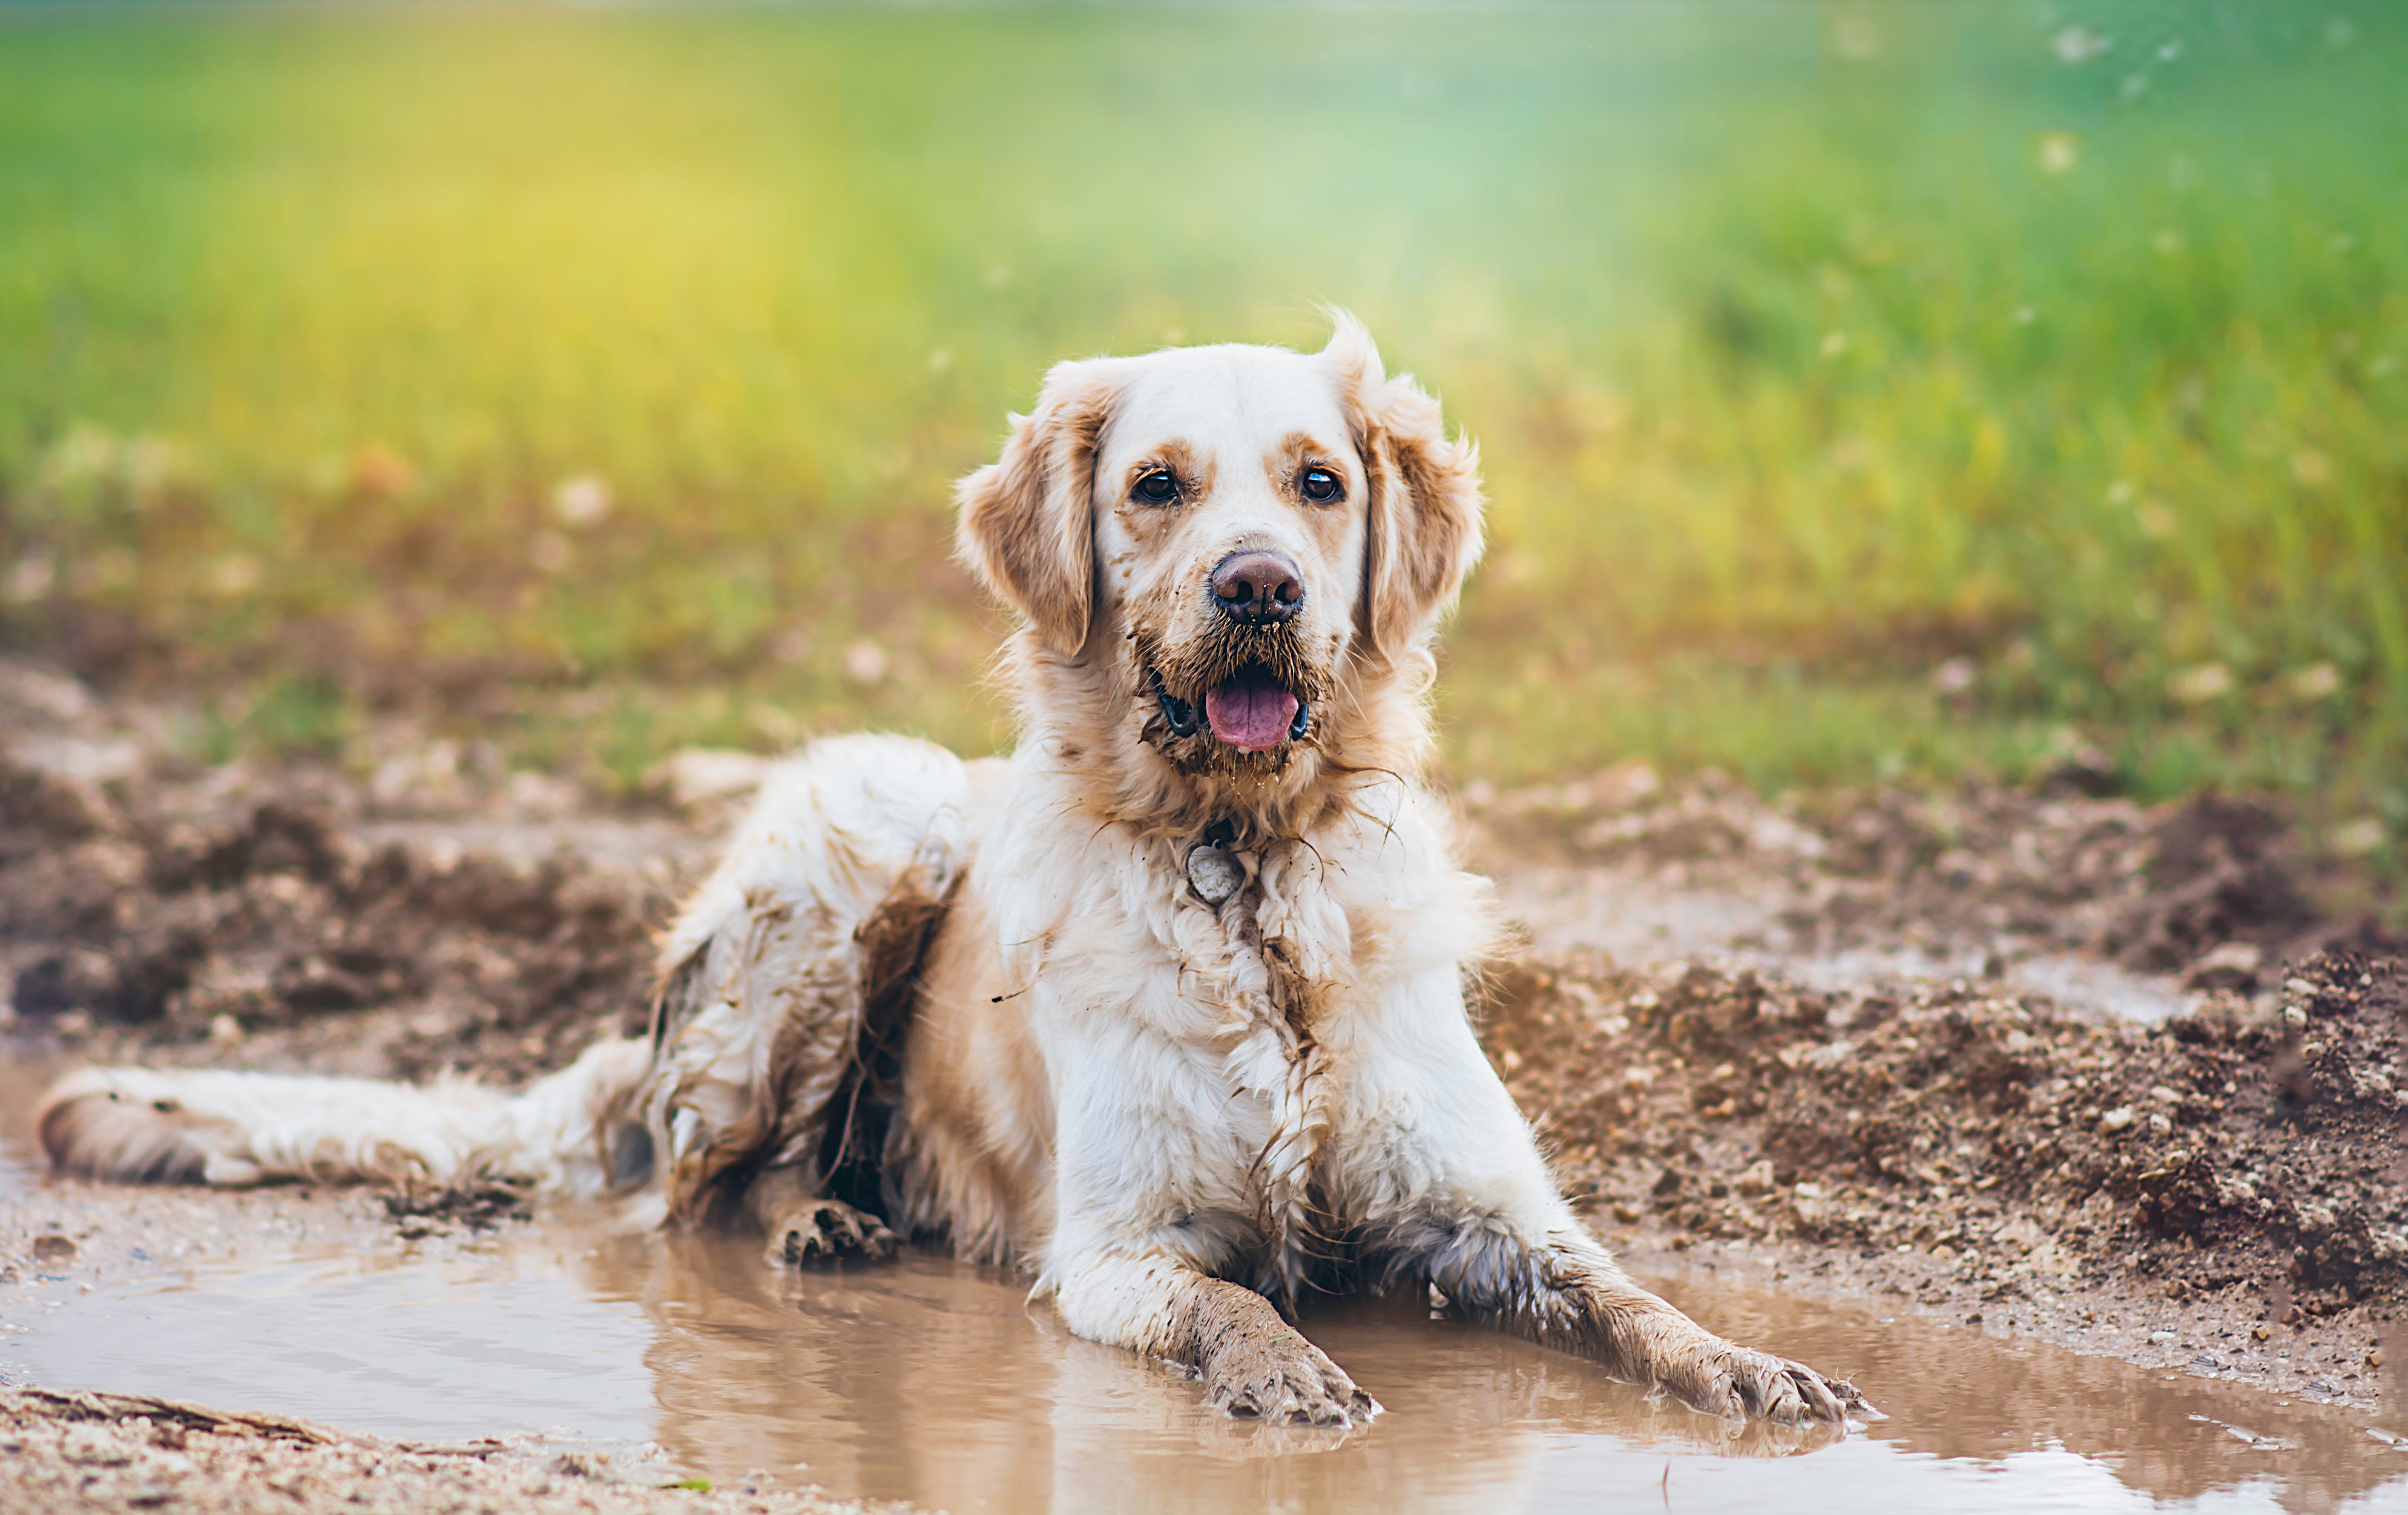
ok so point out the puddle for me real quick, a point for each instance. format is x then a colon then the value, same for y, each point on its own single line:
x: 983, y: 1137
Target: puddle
x: 933, y: 1381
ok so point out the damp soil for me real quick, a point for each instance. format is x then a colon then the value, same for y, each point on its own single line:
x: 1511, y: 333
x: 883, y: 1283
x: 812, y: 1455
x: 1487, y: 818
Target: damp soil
x: 1997, y: 1077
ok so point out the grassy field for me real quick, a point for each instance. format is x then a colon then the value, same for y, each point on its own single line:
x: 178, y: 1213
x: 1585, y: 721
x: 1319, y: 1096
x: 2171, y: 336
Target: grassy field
x: 1867, y: 390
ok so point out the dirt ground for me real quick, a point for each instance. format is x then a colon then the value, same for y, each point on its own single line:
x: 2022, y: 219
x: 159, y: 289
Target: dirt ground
x: 2219, y: 1190
x: 81, y: 1450
x: 2222, y: 1191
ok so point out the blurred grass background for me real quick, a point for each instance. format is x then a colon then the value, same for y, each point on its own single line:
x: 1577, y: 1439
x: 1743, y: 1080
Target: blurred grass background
x: 1867, y: 391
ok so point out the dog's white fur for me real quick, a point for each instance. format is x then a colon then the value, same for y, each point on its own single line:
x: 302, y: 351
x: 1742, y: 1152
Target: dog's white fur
x: 1176, y: 1114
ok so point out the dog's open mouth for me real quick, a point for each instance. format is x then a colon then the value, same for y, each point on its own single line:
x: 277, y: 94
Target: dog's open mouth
x: 1249, y: 710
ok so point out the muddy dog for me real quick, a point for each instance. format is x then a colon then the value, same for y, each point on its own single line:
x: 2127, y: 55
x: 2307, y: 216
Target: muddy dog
x: 1166, y: 1008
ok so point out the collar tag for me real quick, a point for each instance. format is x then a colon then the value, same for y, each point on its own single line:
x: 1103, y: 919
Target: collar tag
x: 1214, y: 870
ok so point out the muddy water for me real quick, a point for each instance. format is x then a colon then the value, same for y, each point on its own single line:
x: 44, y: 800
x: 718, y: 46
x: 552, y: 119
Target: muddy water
x: 935, y: 1382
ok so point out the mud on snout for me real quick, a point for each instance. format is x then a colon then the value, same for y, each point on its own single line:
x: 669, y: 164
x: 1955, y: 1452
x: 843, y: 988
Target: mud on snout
x: 1231, y: 698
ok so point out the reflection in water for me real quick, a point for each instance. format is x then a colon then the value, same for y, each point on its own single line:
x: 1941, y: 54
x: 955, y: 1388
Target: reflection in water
x: 932, y: 1381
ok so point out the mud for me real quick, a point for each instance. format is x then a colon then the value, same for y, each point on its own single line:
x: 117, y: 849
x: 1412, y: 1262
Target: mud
x: 2212, y: 892
x: 2221, y: 1193
x: 1881, y: 1046
x: 83, y: 1451
x: 479, y: 1207
x: 429, y: 913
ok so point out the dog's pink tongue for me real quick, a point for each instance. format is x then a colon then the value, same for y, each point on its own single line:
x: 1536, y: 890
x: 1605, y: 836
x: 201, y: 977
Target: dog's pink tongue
x: 1251, y: 713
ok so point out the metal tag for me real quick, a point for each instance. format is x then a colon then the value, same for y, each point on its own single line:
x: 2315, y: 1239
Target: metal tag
x: 1213, y: 872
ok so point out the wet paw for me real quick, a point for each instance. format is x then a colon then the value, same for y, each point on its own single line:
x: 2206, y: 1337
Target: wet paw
x: 1739, y: 1382
x: 1283, y: 1378
x: 824, y: 1231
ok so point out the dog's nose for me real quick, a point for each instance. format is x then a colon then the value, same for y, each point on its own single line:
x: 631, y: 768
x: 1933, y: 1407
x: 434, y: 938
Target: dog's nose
x: 1259, y: 588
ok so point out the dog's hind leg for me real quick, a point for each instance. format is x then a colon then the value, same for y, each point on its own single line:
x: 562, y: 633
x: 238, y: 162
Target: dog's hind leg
x: 786, y: 986
x: 807, y: 1228
x: 570, y: 1133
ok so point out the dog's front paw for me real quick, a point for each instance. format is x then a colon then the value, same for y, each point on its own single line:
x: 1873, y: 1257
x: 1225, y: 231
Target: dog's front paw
x: 1739, y: 1382
x: 1279, y: 1377
x: 821, y: 1230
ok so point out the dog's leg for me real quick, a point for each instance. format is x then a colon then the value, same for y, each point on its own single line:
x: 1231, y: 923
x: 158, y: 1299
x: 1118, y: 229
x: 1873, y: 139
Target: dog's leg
x: 565, y: 1134
x: 789, y: 974
x: 1563, y: 1289
x: 1431, y: 1160
x: 807, y: 1229
x: 1253, y: 1364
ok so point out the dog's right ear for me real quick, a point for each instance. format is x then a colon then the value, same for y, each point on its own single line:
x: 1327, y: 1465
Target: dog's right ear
x: 1027, y: 521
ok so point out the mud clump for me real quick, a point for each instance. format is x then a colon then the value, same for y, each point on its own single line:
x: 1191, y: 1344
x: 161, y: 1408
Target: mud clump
x: 2251, y: 1152
x: 154, y: 909
x: 476, y: 1208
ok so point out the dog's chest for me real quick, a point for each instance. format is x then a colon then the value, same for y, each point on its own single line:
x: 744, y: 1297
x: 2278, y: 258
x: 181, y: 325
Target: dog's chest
x: 1241, y: 987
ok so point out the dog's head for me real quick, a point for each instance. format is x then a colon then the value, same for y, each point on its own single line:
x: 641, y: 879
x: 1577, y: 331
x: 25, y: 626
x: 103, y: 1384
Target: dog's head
x: 1229, y: 559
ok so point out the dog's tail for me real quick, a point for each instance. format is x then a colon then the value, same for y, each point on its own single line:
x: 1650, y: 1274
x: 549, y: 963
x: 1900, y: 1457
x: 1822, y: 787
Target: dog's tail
x: 575, y: 1131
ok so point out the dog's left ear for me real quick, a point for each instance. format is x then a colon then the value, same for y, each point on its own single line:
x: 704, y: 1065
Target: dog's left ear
x: 1423, y: 531
x: 1027, y: 519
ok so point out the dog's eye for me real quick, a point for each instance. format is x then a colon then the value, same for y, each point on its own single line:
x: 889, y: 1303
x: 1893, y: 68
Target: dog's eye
x: 1321, y: 486
x: 1157, y: 488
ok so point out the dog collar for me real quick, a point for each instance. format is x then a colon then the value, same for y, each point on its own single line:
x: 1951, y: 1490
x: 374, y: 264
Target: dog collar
x: 1213, y: 869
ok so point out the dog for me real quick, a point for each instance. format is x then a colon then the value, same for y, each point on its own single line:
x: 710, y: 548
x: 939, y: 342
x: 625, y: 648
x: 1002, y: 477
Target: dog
x: 1166, y: 1008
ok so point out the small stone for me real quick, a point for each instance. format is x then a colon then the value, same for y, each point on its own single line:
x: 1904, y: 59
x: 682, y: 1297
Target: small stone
x: 53, y: 1248
x: 2233, y: 965
x: 2259, y: 1332
x: 2116, y: 1119
x: 224, y: 1029
x: 2374, y: 1358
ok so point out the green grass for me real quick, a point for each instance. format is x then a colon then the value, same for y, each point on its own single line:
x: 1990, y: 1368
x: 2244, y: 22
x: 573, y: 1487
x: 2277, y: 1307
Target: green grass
x: 1810, y: 346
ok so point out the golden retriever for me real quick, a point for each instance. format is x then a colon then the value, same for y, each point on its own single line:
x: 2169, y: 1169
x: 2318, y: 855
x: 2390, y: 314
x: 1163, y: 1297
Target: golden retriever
x: 1166, y: 1007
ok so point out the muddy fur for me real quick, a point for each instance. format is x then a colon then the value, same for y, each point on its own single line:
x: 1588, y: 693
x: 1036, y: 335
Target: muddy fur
x: 1258, y: 1364
x: 1187, y: 674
